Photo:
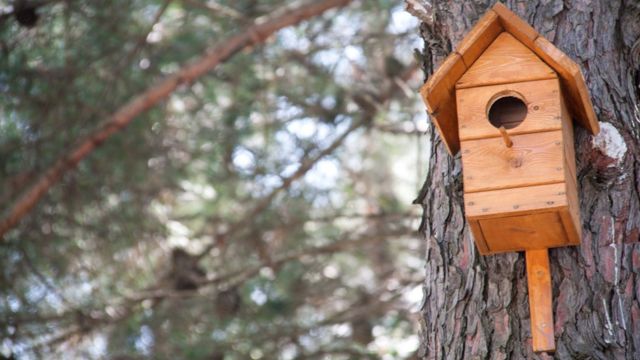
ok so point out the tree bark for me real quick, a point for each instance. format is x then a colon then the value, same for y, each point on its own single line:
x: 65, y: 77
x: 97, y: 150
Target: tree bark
x: 251, y: 36
x: 476, y: 307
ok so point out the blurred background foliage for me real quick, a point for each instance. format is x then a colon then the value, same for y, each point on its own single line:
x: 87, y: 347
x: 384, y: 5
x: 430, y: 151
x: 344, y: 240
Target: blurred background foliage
x: 261, y: 213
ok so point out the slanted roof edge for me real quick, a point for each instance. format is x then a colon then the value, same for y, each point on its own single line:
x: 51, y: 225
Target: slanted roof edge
x: 439, y: 90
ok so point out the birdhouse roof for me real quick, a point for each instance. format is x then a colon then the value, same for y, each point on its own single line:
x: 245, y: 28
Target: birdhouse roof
x: 439, y: 91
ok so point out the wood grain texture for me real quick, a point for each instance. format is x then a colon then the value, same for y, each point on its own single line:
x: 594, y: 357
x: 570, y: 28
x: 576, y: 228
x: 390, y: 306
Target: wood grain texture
x: 437, y: 91
x: 543, y: 108
x: 540, y: 300
x: 445, y: 120
x: 524, y: 232
x: 573, y: 224
x: 571, y: 227
x: 479, y: 38
x: 506, y: 60
x: 505, y: 137
x: 439, y: 96
x: 516, y: 201
x: 571, y: 218
x: 514, y: 55
x: 570, y: 73
x: 534, y: 159
x: 478, y: 236
x: 517, y: 27
x: 572, y: 82
x: 569, y: 142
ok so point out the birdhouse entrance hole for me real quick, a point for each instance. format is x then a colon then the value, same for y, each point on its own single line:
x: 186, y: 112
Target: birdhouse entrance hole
x: 508, y: 110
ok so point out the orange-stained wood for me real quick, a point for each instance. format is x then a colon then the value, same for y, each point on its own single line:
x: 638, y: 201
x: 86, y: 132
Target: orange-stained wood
x: 567, y: 133
x: 478, y: 237
x: 479, y: 38
x: 540, y: 300
x: 574, y: 211
x: 569, y: 71
x: 438, y: 94
x: 520, y: 186
x: 543, y: 108
x: 505, y: 137
x: 571, y: 227
x: 445, y: 120
x: 572, y: 182
x: 524, y: 232
x: 573, y: 83
x: 515, y: 25
x: 571, y: 217
x: 439, y: 88
x: 506, y: 60
x: 534, y: 159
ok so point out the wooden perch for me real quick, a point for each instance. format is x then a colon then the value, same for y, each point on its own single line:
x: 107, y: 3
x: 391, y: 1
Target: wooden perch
x: 540, y: 304
x: 505, y: 137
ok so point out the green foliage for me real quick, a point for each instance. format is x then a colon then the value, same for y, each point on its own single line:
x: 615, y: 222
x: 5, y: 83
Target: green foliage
x: 285, y: 269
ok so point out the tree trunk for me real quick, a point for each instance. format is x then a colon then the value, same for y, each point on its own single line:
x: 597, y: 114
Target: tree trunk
x: 476, y: 307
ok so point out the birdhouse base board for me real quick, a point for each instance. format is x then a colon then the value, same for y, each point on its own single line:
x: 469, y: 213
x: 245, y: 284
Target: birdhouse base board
x: 524, y: 232
x: 520, y: 219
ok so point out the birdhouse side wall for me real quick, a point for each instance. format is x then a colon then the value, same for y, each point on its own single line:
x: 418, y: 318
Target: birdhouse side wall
x: 572, y: 181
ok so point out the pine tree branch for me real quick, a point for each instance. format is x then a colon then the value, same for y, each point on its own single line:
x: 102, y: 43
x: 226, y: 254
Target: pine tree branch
x: 82, y: 324
x: 263, y: 203
x: 251, y: 36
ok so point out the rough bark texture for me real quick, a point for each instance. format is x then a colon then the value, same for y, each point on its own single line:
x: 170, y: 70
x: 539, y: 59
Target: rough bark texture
x: 476, y: 307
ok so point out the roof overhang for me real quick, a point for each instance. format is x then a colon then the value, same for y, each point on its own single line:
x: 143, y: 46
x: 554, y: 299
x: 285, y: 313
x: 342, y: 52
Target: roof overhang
x: 439, y: 93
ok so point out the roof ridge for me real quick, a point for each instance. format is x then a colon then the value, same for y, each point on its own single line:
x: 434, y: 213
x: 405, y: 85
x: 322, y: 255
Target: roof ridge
x: 438, y: 92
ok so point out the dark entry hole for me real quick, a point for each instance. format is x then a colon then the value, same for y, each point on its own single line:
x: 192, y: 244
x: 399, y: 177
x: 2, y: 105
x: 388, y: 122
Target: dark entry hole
x: 507, y: 111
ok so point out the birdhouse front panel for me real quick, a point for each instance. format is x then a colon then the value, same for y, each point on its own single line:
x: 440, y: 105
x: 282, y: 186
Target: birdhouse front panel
x: 523, y: 197
x: 542, y: 102
x: 517, y: 193
x: 533, y: 159
x: 506, y: 60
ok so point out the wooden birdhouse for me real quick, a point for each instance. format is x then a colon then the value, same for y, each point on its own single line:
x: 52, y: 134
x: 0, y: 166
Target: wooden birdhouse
x: 506, y: 98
